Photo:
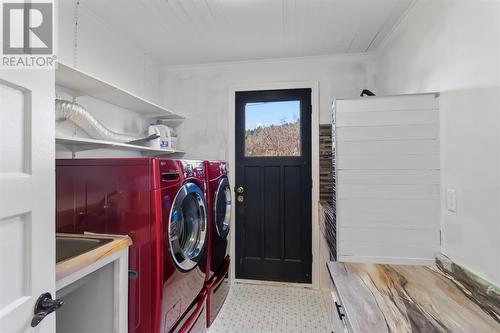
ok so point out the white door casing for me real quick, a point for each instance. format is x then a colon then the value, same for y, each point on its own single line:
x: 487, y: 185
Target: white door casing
x: 314, y: 86
x: 27, y: 196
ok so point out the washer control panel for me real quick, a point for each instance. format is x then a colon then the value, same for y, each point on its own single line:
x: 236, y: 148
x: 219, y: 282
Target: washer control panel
x: 223, y: 168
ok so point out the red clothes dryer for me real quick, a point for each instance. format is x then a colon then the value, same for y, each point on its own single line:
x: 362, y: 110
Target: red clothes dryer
x: 219, y: 212
x: 160, y: 204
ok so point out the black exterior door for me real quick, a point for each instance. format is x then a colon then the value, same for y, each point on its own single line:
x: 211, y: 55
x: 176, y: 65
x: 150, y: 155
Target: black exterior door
x: 273, y: 185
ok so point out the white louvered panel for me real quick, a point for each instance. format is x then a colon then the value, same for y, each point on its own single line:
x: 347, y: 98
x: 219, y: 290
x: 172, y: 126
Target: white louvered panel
x: 388, y: 177
x: 374, y: 249
x: 387, y: 118
x: 388, y: 103
x: 386, y: 162
x: 392, y: 235
x: 388, y: 192
x: 356, y: 191
x: 393, y: 221
x: 386, y: 208
x: 391, y: 147
x: 380, y: 133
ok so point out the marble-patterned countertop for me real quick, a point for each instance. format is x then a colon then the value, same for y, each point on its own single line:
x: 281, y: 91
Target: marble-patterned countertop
x: 380, y: 298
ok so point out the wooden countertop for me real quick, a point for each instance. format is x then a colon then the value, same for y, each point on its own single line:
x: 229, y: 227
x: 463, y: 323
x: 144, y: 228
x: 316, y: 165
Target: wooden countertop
x: 397, y: 298
x: 71, y: 265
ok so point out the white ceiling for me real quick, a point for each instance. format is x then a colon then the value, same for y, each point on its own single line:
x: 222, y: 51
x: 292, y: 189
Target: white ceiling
x: 205, y: 31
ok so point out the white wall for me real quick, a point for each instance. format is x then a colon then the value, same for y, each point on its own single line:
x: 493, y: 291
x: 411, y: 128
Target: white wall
x: 453, y: 47
x: 201, y: 92
x: 103, y: 51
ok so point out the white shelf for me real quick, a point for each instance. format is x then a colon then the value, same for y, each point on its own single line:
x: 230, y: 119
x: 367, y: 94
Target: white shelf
x: 169, y: 121
x: 83, y: 84
x: 81, y: 144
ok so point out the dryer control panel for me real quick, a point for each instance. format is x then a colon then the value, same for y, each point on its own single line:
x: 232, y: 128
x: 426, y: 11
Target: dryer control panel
x: 194, y: 169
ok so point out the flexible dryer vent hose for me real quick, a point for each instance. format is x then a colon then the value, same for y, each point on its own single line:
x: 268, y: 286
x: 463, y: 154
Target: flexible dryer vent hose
x: 82, y: 118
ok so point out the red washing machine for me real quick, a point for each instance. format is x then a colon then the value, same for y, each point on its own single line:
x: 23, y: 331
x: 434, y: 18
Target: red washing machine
x: 219, y: 212
x: 160, y: 204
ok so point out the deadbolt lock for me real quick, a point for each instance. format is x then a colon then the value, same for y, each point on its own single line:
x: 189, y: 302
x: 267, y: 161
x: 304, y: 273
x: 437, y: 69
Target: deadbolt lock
x: 240, y: 190
x: 240, y: 198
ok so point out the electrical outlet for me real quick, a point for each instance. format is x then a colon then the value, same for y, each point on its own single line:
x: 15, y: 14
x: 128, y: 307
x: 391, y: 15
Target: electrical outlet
x: 451, y: 200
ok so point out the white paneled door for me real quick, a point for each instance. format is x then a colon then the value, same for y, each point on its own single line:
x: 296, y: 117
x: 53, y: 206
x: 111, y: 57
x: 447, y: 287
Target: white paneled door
x: 27, y: 194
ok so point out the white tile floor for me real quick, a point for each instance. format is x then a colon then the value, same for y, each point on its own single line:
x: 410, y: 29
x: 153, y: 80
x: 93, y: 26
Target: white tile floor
x: 256, y: 308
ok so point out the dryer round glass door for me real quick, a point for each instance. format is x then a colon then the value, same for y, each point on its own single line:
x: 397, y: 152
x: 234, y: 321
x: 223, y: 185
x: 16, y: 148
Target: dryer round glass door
x: 222, y: 208
x: 187, y: 227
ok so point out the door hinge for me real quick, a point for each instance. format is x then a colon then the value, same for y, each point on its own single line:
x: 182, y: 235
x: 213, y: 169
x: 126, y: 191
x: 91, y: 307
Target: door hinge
x: 440, y: 237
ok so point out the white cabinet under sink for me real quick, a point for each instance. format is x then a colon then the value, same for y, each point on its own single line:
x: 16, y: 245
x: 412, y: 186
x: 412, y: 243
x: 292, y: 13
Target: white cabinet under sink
x: 94, y: 287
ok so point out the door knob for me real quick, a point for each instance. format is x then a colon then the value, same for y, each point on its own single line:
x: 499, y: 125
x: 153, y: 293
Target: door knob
x: 240, y: 190
x: 44, y: 306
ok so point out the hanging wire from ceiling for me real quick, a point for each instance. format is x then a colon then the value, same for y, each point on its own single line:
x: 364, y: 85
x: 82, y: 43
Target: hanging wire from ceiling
x: 75, y: 34
x: 283, y: 19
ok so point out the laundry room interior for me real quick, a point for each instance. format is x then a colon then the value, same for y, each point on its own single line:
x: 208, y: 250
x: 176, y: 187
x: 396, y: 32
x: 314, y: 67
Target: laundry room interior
x: 233, y: 166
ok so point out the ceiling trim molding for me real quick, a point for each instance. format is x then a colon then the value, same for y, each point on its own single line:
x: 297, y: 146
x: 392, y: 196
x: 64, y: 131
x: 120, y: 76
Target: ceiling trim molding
x: 339, y: 57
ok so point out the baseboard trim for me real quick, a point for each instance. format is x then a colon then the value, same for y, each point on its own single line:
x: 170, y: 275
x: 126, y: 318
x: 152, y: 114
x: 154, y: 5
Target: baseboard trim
x: 275, y: 283
x: 388, y: 260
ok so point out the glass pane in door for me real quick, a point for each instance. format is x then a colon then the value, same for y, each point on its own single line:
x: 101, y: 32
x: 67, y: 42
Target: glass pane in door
x: 272, y: 129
